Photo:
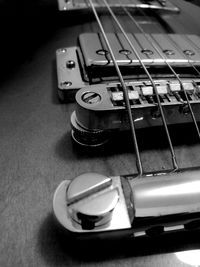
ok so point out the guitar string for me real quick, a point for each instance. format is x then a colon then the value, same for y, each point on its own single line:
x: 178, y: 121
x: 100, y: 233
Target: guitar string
x: 125, y: 91
x: 194, y: 45
x: 170, y: 67
x: 185, y: 37
x: 149, y: 40
x: 174, y: 161
x: 187, y: 57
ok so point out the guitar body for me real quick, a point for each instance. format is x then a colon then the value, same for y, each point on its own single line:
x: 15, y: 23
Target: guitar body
x: 166, y: 24
x: 38, y: 153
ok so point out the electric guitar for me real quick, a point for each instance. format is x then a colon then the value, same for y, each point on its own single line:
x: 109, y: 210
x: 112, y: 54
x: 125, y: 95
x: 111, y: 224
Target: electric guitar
x: 134, y: 75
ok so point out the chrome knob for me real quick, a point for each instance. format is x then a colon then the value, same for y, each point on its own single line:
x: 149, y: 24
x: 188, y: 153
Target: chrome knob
x: 91, y: 199
x: 86, y: 137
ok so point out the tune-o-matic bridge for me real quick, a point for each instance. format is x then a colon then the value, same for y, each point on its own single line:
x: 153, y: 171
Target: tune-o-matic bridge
x: 159, y: 5
x: 91, y: 63
x: 101, y: 108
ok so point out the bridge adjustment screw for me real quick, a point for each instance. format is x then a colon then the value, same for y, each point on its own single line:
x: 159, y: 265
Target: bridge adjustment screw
x: 168, y: 52
x: 91, y: 199
x: 63, y: 50
x: 70, y: 64
x: 189, y: 52
x: 91, y: 98
x: 65, y: 84
x: 147, y: 52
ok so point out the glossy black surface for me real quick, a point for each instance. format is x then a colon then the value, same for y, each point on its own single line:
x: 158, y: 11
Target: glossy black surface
x: 37, y: 152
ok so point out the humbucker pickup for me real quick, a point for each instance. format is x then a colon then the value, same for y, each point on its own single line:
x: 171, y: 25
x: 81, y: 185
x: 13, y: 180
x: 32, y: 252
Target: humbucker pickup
x: 90, y: 63
x: 158, y: 5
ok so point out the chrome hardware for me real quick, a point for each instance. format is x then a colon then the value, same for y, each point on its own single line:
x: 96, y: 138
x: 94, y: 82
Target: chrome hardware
x: 68, y: 70
x: 102, y: 52
x: 148, y: 204
x: 95, y: 55
x: 168, y: 52
x: 91, y: 98
x: 147, y: 52
x: 86, y: 137
x: 100, y: 108
x: 118, y: 96
x: 66, y: 84
x: 70, y: 64
x: 125, y: 52
x: 163, y: 202
x: 189, y: 52
x: 158, y: 5
x: 91, y: 63
x: 91, y: 202
x: 91, y: 199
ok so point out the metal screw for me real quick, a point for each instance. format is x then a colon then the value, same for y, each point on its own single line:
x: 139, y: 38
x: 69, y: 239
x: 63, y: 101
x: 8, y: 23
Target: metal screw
x: 169, y: 52
x: 147, y: 52
x: 189, y: 52
x: 70, y: 64
x: 101, y: 200
x: 65, y: 84
x: 95, y: 188
x: 125, y: 52
x: 91, y: 98
x: 102, y: 52
x: 63, y: 50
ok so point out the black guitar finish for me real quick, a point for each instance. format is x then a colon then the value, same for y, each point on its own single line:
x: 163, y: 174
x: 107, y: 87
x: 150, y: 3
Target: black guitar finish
x: 37, y: 152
